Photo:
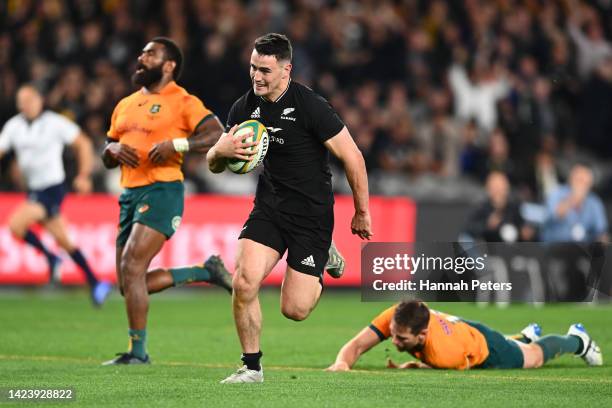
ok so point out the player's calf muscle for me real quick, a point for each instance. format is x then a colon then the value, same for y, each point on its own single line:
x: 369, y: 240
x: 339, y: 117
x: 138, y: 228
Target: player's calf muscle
x: 297, y: 306
x: 295, y: 312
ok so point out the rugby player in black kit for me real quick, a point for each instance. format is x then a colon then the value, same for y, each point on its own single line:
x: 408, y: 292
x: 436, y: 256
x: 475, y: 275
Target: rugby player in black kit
x: 293, y: 208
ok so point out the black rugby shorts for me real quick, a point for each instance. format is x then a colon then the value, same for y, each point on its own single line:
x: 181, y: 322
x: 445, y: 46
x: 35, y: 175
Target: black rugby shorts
x: 306, y: 238
x: 50, y: 197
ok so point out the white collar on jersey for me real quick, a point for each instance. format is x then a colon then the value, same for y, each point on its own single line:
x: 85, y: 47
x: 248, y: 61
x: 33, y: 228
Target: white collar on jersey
x: 281, y: 95
x: 31, y: 122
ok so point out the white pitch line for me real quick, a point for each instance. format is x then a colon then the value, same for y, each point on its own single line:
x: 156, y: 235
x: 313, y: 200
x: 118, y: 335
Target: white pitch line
x: 446, y: 374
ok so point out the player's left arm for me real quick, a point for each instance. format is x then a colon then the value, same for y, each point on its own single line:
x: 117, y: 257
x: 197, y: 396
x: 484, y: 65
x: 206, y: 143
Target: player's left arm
x: 206, y: 135
x: 203, y: 138
x: 344, y: 148
x: 84, y: 151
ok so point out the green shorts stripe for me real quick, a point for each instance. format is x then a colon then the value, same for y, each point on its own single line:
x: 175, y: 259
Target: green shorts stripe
x: 158, y: 205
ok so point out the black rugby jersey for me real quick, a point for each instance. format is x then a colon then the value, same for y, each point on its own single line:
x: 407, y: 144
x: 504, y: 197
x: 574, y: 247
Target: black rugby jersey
x: 296, y: 177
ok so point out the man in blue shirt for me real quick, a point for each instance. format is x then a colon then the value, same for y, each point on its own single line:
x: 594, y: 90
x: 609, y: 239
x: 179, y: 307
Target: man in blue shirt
x: 575, y: 214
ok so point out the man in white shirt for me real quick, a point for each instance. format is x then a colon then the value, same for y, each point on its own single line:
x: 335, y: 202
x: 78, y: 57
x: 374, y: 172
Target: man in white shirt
x: 477, y: 97
x: 38, y: 137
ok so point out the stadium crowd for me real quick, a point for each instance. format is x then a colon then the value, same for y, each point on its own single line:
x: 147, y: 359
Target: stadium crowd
x: 436, y: 93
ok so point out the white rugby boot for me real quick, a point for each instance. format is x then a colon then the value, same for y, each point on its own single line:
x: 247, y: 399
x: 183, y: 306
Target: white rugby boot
x: 532, y: 332
x: 335, y: 262
x: 591, y: 352
x: 244, y: 375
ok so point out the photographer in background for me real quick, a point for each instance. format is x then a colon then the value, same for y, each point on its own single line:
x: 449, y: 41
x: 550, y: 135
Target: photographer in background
x: 498, y: 219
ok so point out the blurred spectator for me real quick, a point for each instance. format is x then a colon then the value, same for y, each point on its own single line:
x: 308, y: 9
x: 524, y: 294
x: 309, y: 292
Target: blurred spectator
x: 400, y: 152
x: 575, y: 214
x: 591, y: 44
x: 476, y: 96
x: 539, y: 71
x: 67, y: 96
x: 439, y: 137
x: 498, y: 157
x: 565, y: 87
x: 596, y: 109
x: 365, y: 137
x: 534, y: 116
x: 472, y: 156
x: 92, y: 46
x: 498, y: 219
x: 545, y: 175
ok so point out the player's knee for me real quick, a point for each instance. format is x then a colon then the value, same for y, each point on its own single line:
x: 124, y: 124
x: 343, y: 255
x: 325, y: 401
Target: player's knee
x: 534, y: 356
x: 130, y: 269
x: 295, y: 312
x: 125, y: 266
x: 16, y: 228
x: 538, y: 356
x: 244, y: 286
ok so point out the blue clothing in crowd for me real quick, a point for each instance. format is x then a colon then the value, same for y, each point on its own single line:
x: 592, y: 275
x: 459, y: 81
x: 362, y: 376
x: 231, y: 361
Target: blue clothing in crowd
x: 583, y: 224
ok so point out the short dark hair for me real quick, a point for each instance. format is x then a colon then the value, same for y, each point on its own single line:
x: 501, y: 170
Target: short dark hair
x: 412, y: 314
x: 173, y: 53
x: 274, y: 44
x: 34, y: 86
x: 582, y: 163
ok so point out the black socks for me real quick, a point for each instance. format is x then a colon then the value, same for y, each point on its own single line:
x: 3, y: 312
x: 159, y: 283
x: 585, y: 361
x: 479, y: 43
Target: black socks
x: 251, y: 360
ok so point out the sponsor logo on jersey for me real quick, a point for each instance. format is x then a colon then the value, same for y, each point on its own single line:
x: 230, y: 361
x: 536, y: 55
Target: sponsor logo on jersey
x: 286, y: 112
x: 273, y: 129
x: 276, y: 139
x: 256, y: 114
x: 133, y: 127
x: 143, y: 208
x: 155, y: 108
x: 176, y: 221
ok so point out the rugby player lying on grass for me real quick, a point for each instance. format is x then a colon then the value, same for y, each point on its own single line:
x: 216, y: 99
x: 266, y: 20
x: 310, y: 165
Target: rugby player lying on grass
x: 439, y: 340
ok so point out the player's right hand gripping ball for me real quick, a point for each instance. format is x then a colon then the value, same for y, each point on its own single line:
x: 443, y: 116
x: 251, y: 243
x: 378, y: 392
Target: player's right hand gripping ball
x: 259, y: 133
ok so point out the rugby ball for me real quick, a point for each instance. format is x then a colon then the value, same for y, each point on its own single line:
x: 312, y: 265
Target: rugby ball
x: 250, y: 131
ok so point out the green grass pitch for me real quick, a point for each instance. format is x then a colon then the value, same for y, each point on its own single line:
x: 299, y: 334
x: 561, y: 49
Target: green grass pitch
x: 55, y: 339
